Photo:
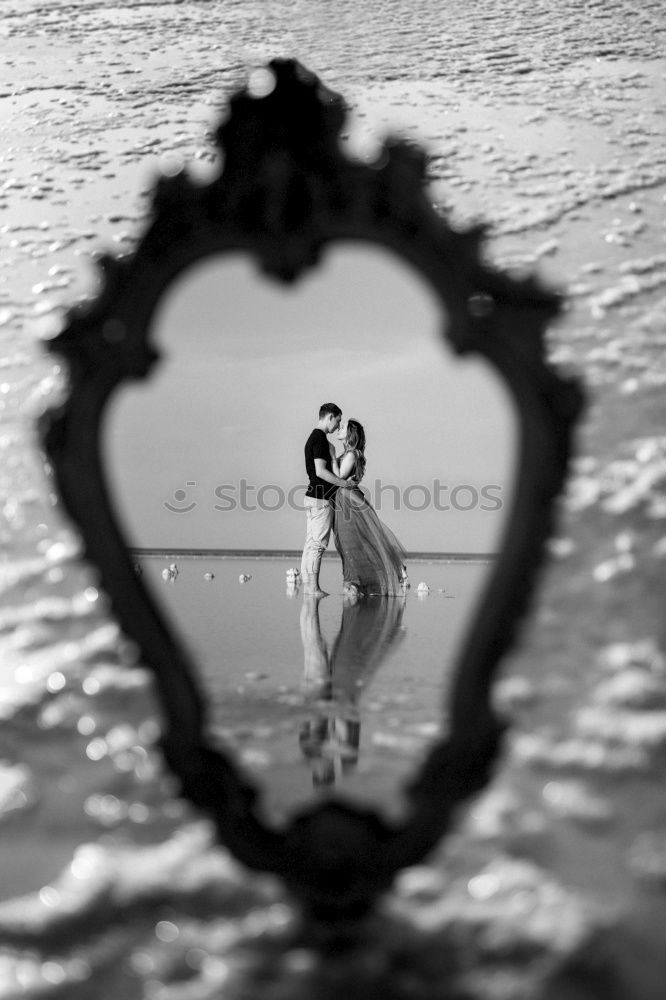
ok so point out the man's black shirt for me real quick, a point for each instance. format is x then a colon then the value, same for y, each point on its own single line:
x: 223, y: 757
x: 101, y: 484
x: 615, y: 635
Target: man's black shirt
x: 317, y: 446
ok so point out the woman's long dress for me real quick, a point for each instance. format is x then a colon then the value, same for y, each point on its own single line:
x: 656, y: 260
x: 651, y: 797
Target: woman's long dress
x: 373, y: 560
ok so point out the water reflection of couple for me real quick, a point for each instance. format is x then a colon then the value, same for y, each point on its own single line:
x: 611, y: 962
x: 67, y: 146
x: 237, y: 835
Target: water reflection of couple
x: 334, y: 680
x: 373, y: 561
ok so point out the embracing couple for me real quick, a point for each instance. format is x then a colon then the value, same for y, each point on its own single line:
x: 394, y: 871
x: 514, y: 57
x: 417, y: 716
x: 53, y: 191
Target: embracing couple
x: 373, y: 561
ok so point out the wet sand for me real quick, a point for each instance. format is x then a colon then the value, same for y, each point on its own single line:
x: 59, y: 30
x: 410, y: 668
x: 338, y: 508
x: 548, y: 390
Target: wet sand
x: 548, y: 123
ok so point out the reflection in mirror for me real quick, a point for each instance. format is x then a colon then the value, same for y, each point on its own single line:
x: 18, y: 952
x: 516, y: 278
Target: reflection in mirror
x: 207, y: 473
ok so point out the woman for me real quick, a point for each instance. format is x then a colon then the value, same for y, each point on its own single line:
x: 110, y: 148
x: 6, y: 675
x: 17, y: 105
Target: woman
x: 373, y: 560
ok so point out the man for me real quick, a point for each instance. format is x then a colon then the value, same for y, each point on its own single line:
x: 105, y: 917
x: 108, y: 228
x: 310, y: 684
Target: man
x: 319, y: 496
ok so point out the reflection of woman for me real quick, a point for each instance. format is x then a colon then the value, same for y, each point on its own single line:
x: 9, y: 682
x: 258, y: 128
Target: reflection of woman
x: 373, y: 560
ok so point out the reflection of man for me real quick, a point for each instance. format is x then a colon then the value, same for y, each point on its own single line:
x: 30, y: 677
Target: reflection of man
x: 330, y: 740
x: 321, y: 490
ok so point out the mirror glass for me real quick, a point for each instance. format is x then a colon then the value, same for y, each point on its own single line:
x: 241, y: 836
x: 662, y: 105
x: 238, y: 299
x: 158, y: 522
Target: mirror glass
x: 206, y: 468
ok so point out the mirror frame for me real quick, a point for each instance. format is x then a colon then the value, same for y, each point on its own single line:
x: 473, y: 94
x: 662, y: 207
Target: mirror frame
x: 286, y: 191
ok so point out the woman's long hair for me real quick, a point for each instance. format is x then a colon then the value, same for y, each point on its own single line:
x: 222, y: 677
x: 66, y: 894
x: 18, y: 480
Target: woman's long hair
x: 356, y: 443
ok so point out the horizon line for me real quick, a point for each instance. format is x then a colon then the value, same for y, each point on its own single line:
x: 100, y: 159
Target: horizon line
x: 192, y: 552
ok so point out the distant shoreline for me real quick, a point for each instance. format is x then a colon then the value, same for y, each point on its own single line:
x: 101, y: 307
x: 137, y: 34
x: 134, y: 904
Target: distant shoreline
x: 295, y: 554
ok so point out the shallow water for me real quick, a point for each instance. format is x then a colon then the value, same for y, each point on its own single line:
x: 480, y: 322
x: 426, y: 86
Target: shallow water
x: 345, y: 696
x: 546, y: 120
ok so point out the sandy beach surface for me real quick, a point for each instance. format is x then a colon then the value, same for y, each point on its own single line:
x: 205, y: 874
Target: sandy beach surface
x: 545, y: 120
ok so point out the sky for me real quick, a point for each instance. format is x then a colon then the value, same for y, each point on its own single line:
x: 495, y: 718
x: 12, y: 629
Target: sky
x: 208, y: 452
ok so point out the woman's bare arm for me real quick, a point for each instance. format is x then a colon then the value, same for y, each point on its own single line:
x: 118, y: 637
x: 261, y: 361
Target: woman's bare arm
x: 328, y: 477
x: 347, y: 465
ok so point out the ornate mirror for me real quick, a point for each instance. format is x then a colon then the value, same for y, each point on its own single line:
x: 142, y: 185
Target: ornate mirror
x: 296, y: 276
